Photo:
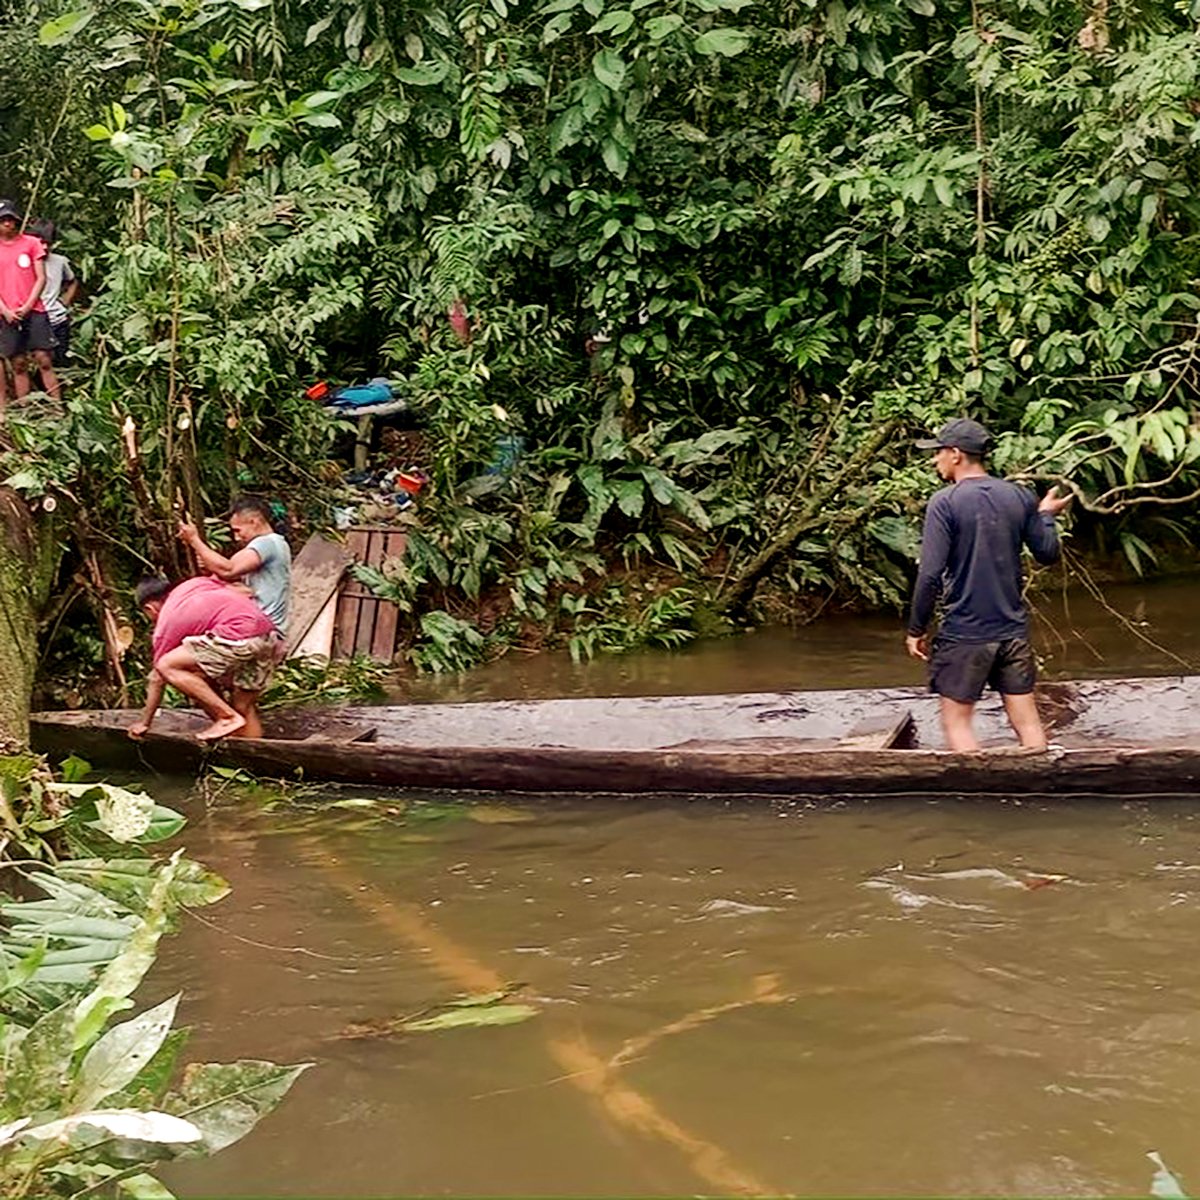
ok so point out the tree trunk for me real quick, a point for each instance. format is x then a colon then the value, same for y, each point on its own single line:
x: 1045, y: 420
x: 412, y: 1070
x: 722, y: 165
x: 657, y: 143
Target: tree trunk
x: 740, y: 590
x: 28, y: 560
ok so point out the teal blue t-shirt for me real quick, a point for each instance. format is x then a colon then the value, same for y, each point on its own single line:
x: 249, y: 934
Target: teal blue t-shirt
x: 271, y: 582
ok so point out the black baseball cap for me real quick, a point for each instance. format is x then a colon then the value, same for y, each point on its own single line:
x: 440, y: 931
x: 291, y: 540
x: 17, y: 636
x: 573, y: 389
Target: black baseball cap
x: 9, y: 209
x: 960, y: 434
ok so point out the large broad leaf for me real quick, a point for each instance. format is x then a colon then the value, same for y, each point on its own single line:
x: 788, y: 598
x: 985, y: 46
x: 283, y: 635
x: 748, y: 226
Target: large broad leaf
x: 130, y: 881
x: 631, y: 496
x: 425, y: 74
x: 148, y: 1128
x: 724, y: 41
x: 143, y: 1187
x: 125, y: 972
x: 658, y: 28
x: 226, y: 1100
x: 121, y: 814
x: 61, y: 944
x: 609, y: 67
x: 63, y: 28
x: 121, y: 1054
x: 896, y: 534
x: 33, y: 1080
x: 150, y: 1085
x: 458, y: 1018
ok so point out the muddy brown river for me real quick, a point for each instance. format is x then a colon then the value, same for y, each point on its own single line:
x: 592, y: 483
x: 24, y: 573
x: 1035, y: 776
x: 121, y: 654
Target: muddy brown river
x: 886, y: 997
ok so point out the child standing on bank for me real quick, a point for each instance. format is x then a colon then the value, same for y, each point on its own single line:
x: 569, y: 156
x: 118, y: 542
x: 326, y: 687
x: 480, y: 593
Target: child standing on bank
x: 59, y: 293
x: 24, y: 326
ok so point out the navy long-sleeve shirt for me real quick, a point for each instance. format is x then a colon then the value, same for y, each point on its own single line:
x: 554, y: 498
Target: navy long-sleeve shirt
x: 971, y: 558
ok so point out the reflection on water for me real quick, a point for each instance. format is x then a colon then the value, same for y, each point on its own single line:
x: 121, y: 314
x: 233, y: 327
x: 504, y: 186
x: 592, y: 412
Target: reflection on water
x: 1077, y: 637
x: 889, y: 997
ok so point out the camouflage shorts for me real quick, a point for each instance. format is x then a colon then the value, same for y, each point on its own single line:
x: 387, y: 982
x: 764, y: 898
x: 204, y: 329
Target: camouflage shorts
x: 246, y: 665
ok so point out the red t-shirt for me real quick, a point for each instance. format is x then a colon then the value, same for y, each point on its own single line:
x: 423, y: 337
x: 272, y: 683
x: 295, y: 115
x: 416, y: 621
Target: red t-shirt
x: 206, y: 605
x: 17, y: 274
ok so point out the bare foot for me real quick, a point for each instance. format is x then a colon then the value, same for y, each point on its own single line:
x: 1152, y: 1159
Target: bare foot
x: 222, y: 727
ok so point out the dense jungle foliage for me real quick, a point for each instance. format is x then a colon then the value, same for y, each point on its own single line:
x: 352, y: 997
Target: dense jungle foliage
x: 700, y: 267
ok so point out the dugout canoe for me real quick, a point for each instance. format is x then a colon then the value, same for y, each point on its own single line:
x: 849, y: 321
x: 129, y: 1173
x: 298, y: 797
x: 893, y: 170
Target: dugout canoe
x: 1111, y: 737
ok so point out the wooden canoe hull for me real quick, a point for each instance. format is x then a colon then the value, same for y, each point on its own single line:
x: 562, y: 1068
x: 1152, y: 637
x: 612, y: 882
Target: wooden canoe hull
x: 1120, y: 738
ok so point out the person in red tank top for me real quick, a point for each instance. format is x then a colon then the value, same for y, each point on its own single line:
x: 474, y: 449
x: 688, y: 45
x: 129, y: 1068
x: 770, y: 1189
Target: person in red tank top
x: 208, y: 636
x: 24, y: 325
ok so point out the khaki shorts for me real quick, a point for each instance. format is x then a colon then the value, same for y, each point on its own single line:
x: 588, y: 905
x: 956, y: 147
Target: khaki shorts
x: 246, y: 665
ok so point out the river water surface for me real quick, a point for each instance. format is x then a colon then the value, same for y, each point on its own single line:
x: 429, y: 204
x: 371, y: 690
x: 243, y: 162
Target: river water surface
x: 884, y: 997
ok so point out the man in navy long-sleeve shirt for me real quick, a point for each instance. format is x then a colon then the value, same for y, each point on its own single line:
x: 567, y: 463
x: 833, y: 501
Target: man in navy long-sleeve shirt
x: 971, y: 561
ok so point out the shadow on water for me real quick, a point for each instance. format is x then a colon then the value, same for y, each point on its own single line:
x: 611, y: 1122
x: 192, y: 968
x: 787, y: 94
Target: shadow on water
x: 888, y: 997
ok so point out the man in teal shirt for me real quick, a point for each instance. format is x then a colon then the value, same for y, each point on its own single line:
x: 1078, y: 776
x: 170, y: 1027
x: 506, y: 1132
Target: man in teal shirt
x: 263, y: 561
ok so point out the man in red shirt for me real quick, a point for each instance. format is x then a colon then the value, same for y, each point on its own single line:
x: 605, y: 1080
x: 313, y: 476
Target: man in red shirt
x: 24, y: 325
x: 208, y: 635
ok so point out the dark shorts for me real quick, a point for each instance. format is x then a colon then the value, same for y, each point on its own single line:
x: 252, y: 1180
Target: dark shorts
x: 62, y: 342
x: 960, y: 670
x: 33, y: 333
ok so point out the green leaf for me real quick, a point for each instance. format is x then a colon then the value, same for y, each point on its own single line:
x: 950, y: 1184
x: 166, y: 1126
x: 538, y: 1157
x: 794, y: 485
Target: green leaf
x: 616, y: 157
x: 458, y: 1018
x: 658, y: 28
x: 424, y: 74
x: 1097, y: 226
x: 153, y: 1128
x: 722, y: 40
x: 567, y: 129
x: 98, y: 133
x: 121, y: 814
x: 74, y: 769
x: 631, y: 496
x: 1164, y: 1185
x: 609, y: 67
x: 322, y: 120
x: 26, y: 481
x: 117, y: 1058
x: 131, y: 881
x: 617, y: 23
x: 125, y: 971
x: 144, y: 1187
x: 34, y: 1081
x: 226, y: 1100
x: 63, y: 28
x: 149, y: 1086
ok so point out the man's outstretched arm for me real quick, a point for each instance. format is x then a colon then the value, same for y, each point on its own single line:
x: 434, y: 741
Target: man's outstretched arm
x: 228, y: 569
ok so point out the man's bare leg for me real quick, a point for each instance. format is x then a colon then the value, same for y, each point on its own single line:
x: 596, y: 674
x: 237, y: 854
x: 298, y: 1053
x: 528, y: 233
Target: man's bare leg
x: 1026, y: 721
x: 958, y: 724
x: 181, y: 670
x: 3, y: 386
x: 46, y: 367
x: 246, y: 703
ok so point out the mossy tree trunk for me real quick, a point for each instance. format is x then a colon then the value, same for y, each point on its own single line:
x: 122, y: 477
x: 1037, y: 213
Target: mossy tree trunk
x: 28, y: 561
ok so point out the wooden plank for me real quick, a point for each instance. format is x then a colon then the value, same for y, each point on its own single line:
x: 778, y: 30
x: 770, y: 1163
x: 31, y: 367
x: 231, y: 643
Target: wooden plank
x: 318, y: 641
x: 345, y: 733
x: 387, y: 616
x: 316, y: 572
x: 350, y: 603
x: 878, y: 733
x: 369, y: 605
